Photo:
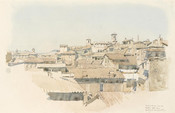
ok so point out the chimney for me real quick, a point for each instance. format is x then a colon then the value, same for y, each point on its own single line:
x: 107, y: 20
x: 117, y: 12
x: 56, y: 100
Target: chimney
x: 137, y: 37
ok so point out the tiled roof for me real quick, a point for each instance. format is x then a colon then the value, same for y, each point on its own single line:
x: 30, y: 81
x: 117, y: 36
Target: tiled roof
x: 96, y: 73
x: 128, y: 60
x: 115, y: 56
x: 56, y: 85
x: 25, y: 53
x: 132, y: 60
x: 51, y: 65
x: 98, y: 54
x: 165, y: 42
x: 76, y: 48
x: 39, y: 60
x: 89, y: 63
x: 33, y: 60
x: 156, y: 49
x: 68, y: 53
x: 49, y: 59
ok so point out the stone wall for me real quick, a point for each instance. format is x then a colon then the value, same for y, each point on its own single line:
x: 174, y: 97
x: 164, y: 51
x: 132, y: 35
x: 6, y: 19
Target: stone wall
x: 158, y: 75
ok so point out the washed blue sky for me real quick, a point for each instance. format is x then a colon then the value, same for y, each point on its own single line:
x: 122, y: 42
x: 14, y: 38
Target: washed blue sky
x: 45, y: 27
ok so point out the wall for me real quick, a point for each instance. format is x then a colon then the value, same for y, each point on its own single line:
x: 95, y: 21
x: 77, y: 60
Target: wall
x: 68, y: 59
x: 65, y: 96
x: 158, y: 75
x: 94, y: 88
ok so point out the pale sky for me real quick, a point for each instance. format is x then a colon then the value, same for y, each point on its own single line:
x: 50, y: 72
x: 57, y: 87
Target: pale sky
x: 45, y: 27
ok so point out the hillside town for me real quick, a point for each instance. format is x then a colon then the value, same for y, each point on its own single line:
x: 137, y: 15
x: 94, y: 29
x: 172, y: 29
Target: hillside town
x: 97, y: 70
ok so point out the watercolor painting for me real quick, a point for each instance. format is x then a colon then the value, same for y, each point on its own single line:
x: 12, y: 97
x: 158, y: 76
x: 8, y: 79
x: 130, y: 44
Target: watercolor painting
x: 88, y: 57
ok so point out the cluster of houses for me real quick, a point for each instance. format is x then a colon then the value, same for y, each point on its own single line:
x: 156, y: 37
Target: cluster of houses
x: 86, y: 72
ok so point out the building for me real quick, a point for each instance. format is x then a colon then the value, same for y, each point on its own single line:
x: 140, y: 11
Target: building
x: 100, y: 46
x: 98, y: 70
x: 128, y: 41
x: 68, y: 57
x: 120, y: 61
x: 64, y: 48
x: 61, y: 89
x: 94, y: 80
x: 158, y: 74
x: 88, y: 63
x: 98, y: 56
x: 53, y: 67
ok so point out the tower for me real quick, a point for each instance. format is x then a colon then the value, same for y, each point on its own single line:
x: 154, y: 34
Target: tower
x: 33, y: 50
x: 88, y: 41
x: 113, y: 35
x: 160, y: 37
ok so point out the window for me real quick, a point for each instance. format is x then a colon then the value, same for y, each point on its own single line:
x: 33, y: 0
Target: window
x: 101, y: 87
x: 146, y: 73
x: 156, y: 54
x: 162, y: 54
x: 111, y: 49
x: 142, y: 65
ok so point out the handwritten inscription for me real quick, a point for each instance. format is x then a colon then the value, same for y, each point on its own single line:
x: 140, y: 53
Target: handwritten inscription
x: 154, y: 108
